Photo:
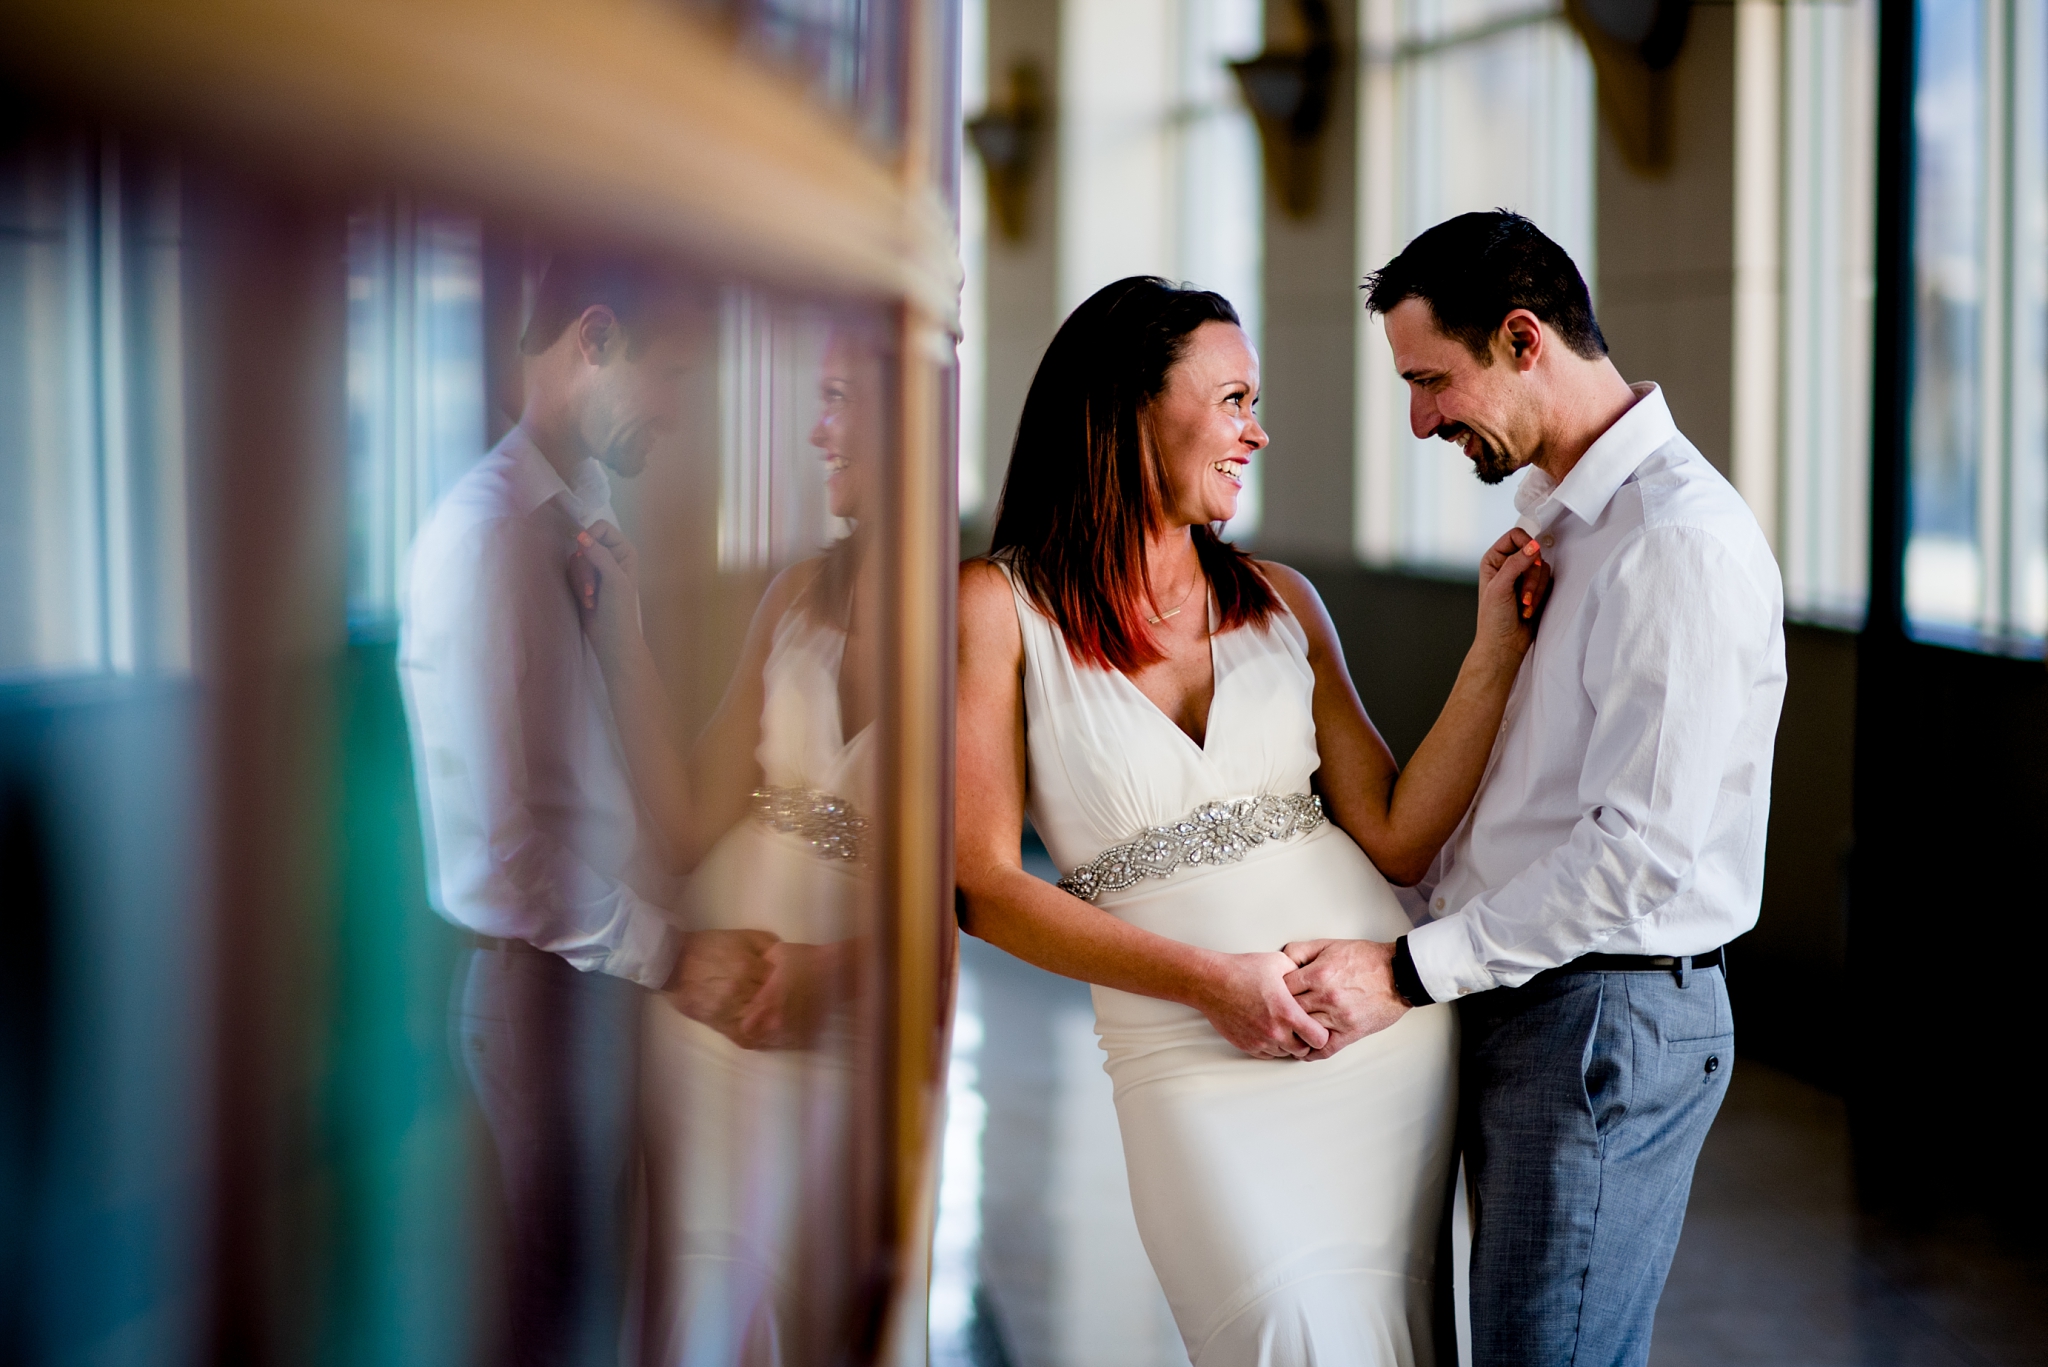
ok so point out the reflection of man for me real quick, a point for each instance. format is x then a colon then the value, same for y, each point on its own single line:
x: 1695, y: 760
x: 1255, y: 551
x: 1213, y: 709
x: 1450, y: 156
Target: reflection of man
x: 537, y: 844
x: 1617, y: 842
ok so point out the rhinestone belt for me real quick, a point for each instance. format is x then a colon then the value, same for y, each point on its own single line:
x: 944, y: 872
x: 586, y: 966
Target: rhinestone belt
x: 1215, y: 833
x: 829, y: 824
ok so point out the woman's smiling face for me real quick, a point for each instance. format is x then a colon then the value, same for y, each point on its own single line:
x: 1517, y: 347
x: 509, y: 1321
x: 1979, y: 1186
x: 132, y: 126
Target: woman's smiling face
x: 1201, y: 427
x: 843, y: 433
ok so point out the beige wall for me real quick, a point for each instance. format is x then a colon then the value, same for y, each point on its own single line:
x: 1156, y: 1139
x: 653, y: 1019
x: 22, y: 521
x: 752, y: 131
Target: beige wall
x: 1665, y: 288
x: 1311, y: 328
x: 1023, y: 277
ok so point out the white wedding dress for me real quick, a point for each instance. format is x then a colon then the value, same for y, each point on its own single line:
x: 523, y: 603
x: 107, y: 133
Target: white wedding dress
x: 747, y: 1148
x: 1291, y: 1210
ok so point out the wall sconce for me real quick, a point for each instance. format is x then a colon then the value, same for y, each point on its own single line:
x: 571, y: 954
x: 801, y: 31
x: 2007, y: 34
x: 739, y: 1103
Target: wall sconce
x: 1634, y: 44
x: 1006, y: 139
x: 1288, y: 91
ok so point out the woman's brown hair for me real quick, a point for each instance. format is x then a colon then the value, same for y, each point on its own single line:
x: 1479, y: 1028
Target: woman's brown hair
x: 1081, y: 492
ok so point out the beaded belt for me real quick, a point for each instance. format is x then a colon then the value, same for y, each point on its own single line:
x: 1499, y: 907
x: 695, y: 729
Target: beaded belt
x: 829, y: 824
x: 1215, y: 833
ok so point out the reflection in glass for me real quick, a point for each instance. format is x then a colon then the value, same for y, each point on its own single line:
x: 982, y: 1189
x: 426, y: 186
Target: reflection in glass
x: 415, y: 383
x: 848, y: 53
x: 93, y: 526
x: 753, y: 1062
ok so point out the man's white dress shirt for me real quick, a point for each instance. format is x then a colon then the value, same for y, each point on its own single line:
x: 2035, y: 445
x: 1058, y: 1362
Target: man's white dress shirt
x: 532, y: 829
x: 1624, y: 807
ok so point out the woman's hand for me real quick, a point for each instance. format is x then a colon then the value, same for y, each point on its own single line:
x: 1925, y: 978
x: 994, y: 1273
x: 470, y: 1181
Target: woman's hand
x: 1514, y: 583
x: 604, y: 574
x: 1249, y: 1003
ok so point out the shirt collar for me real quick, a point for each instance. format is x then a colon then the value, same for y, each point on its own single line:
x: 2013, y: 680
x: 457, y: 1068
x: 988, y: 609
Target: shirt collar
x: 534, y: 481
x: 1605, y: 467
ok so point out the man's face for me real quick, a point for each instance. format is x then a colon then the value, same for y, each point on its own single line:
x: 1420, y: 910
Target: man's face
x: 1487, y: 411
x: 636, y: 400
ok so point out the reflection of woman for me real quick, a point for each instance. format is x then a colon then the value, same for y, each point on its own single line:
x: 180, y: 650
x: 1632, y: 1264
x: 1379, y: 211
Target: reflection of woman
x: 749, y: 1110
x: 1180, y: 721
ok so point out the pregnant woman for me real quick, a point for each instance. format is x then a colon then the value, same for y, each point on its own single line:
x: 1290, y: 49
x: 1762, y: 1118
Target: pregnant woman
x: 1178, y: 720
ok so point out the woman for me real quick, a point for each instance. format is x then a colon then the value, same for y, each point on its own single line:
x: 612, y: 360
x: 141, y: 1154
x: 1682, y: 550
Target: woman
x: 1180, y: 723
x: 751, y: 1100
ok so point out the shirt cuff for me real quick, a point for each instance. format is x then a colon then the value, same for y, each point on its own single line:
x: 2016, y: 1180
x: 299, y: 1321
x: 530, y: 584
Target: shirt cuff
x: 1446, y: 961
x: 1405, y: 980
x: 646, y: 952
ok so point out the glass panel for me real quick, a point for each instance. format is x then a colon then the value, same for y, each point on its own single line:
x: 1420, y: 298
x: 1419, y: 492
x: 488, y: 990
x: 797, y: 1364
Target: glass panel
x: 464, y: 945
x: 1945, y: 572
x: 1976, y: 569
x: 1502, y: 119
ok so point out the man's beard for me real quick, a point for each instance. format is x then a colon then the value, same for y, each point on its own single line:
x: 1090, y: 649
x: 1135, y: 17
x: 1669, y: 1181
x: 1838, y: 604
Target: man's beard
x: 1492, y: 464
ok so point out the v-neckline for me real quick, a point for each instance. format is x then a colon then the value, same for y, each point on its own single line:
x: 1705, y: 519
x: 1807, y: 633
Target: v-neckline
x: 1215, y: 691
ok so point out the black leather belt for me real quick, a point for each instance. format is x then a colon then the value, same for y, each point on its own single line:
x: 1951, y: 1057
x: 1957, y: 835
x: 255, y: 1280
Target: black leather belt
x: 1677, y: 965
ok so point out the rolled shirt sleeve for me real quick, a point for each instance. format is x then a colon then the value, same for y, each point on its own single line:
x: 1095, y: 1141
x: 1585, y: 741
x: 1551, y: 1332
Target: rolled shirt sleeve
x: 1680, y: 637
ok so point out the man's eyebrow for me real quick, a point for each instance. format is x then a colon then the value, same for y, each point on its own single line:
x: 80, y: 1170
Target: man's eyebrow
x: 1419, y: 376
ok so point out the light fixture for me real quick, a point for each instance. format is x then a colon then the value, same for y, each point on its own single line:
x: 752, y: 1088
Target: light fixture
x: 1288, y: 91
x: 1005, y: 137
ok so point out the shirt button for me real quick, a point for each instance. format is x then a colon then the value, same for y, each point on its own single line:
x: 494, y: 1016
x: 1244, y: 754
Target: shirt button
x: 1549, y: 540
x: 1439, y: 904
x: 1464, y: 991
x: 1713, y: 1064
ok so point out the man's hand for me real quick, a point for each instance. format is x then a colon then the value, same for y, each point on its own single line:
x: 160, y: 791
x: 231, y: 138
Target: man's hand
x: 1250, y: 1005
x: 718, y: 974
x: 1347, y: 986
x: 790, y: 1009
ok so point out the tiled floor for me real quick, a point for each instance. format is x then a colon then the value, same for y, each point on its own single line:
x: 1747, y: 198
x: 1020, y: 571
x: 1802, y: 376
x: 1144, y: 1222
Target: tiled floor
x: 1039, y: 1263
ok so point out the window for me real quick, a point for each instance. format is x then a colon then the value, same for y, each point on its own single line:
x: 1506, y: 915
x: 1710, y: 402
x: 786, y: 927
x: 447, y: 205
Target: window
x: 1977, y: 547
x: 415, y: 387
x: 1160, y: 171
x: 1827, y: 239
x: 771, y: 495
x: 1466, y: 105
x: 93, y: 527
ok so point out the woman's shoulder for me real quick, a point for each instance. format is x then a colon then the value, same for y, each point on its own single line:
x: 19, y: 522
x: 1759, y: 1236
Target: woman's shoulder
x: 1305, y: 612
x: 988, y: 608
x: 786, y: 592
x: 984, y: 583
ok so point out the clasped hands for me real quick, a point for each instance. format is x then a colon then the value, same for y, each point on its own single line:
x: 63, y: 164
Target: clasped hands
x: 1306, y: 1001
x: 755, y: 988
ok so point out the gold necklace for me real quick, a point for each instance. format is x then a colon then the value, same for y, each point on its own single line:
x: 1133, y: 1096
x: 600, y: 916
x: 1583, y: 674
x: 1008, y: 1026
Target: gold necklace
x: 1174, y: 611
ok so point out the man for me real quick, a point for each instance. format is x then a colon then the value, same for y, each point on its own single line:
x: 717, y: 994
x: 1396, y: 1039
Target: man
x: 1617, y: 843
x: 536, y: 843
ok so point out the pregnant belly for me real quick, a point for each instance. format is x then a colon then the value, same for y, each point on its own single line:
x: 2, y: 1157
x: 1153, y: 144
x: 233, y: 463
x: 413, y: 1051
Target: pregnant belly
x: 1319, y: 887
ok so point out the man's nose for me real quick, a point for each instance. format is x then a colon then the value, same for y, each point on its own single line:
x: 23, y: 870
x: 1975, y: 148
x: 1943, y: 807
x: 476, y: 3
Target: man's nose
x: 1423, y: 417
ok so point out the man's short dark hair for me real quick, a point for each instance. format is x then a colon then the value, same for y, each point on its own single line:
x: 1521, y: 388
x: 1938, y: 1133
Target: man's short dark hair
x: 639, y: 293
x: 1476, y: 269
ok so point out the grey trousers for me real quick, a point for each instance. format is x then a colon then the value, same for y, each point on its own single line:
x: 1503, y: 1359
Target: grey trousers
x: 1585, y: 1099
x: 550, y: 1052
